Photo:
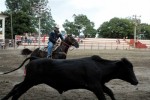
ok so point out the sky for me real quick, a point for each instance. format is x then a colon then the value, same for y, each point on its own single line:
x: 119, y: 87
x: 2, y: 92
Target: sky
x: 97, y: 11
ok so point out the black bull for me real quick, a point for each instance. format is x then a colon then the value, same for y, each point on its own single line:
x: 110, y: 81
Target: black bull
x: 89, y: 73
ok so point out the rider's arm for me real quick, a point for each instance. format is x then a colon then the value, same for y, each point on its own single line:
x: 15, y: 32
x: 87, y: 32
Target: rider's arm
x: 61, y: 37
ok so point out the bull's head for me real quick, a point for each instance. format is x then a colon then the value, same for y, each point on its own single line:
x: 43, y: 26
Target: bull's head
x: 126, y: 72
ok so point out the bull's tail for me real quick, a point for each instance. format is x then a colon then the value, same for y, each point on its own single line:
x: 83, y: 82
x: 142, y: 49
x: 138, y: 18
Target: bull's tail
x: 26, y: 51
x: 31, y: 58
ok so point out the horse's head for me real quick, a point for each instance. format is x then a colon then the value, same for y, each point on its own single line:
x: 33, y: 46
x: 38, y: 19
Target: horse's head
x: 71, y: 41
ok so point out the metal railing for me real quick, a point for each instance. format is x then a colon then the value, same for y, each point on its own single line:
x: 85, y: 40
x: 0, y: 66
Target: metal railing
x: 91, y: 45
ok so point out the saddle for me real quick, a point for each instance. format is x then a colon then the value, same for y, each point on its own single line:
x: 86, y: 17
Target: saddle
x: 45, y: 49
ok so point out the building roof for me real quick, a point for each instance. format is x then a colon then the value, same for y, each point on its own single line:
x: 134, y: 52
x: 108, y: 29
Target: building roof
x: 2, y: 15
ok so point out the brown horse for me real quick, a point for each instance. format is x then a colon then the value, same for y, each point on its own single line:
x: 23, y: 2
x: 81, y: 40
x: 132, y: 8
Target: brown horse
x: 59, y: 53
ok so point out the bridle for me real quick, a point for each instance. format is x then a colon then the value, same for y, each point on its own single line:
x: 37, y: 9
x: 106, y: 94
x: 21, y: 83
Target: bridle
x: 68, y: 44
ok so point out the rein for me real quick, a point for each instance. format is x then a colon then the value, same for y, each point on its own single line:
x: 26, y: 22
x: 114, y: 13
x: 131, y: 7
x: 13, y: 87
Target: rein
x: 69, y: 45
x: 66, y: 44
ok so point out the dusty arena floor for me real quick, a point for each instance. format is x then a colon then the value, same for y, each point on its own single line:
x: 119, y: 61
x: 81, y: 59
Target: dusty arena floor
x: 10, y: 59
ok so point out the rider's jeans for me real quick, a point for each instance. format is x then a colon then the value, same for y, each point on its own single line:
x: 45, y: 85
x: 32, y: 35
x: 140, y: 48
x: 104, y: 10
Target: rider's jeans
x: 50, y: 46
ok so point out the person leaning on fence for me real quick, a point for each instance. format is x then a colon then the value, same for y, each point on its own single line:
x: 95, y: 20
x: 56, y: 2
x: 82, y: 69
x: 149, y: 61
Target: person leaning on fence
x: 53, y: 36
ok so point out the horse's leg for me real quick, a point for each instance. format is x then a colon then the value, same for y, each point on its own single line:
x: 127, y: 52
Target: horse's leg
x: 43, y: 54
x: 36, y: 52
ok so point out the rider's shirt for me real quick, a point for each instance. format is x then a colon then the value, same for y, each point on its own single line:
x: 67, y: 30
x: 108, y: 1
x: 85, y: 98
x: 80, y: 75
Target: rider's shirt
x: 53, y: 37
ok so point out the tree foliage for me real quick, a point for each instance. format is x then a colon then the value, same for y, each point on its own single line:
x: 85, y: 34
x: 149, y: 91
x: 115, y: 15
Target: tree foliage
x: 24, y: 19
x: 81, y: 22
x: 145, y: 30
x: 40, y: 9
x: 70, y: 28
x: 116, y: 28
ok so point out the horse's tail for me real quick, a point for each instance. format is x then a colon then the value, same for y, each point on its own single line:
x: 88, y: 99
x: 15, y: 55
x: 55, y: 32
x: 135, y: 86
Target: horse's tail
x: 31, y: 58
x: 26, y: 51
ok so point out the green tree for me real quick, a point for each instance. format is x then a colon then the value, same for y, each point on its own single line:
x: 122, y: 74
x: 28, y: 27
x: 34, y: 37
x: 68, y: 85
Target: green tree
x: 116, y: 28
x: 81, y: 22
x: 40, y: 9
x: 70, y: 28
x: 145, y: 31
x: 84, y: 23
x: 24, y: 18
x: 104, y: 30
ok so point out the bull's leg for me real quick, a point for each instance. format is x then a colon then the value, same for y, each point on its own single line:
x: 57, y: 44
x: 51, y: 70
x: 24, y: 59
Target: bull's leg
x: 12, y: 92
x: 97, y: 90
x: 26, y: 85
x: 109, y: 92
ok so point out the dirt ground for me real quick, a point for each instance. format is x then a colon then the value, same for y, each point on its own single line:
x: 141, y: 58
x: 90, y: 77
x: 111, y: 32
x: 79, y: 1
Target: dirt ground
x: 10, y: 59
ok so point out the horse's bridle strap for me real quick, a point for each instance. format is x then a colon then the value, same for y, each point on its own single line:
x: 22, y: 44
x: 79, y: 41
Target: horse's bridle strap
x: 66, y: 44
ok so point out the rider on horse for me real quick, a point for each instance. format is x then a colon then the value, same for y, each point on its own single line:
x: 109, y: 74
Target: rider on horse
x: 53, y: 36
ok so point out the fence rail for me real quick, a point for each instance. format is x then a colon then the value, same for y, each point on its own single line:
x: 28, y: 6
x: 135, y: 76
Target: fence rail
x: 92, y: 46
x: 106, y: 45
